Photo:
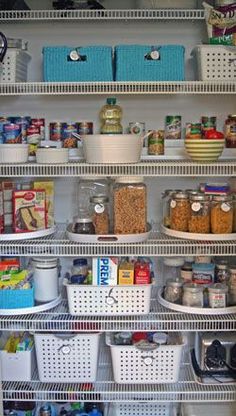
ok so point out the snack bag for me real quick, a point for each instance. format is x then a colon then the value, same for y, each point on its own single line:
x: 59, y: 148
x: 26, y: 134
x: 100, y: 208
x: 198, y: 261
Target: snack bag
x: 221, y: 24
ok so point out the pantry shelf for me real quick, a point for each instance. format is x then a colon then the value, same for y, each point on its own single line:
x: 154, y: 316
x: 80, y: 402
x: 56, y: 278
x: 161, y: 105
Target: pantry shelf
x: 171, y: 168
x: 160, y: 319
x: 135, y: 14
x: 104, y: 88
x: 105, y: 390
x: 157, y: 245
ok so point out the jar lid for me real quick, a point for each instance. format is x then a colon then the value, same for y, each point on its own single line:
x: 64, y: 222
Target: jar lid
x: 222, y: 198
x: 232, y: 115
x: 174, y: 261
x: 191, y: 191
x: 124, y: 335
x: 130, y: 179
x: 218, y: 287
x: 83, y: 220
x: 187, y: 267
x: 45, y: 260
x: 180, y: 195
x: 160, y: 338
x: 193, y: 287
x: 232, y: 269
x: 199, y: 197
x: 175, y: 283
x: 222, y: 266
x: 80, y: 262
x: 99, y: 199
x: 189, y: 259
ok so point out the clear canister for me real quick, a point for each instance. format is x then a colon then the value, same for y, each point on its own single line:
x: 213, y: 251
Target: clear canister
x: 218, y: 295
x: 234, y: 212
x: 173, y: 291
x: 166, y: 197
x: 193, y: 295
x: 130, y: 205
x: 100, y: 213
x: 199, y: 221
x: 45, y: 276
x: 222, y: 214
x: 88, y: 187
x: 179, y: 211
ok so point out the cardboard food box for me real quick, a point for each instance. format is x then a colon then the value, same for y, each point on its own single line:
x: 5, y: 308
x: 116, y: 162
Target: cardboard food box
x: 126, y: 273
x: 1, y: 210
x: 48, y: 186
x: 105, y: 271
x: 142, y: 274
x: 29, y: 210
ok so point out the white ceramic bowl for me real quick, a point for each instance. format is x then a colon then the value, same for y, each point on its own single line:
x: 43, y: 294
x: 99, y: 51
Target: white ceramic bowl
x: 204, y: 150
x: 53, y: 156
x: 14, y: 153
x: 112, y: 148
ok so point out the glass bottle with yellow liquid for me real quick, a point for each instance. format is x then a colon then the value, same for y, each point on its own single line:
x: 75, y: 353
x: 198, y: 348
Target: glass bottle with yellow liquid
x: 110, y: 116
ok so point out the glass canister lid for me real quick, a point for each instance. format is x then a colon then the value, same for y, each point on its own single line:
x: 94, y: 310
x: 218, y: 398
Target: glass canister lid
x: 180, y: 195
x: 45, y: 261
x: 99, y: 199
x: 174, y: 261
x: 130, y: 179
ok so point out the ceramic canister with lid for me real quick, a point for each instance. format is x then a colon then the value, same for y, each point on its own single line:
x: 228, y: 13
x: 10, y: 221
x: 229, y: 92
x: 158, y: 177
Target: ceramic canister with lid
x: 46, y: 273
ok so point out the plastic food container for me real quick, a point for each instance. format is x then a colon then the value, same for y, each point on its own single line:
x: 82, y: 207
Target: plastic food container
x: 193, y: 295
x: 13, y: 153
x: 218, y: 295
x: 52, y: 155
x: 203, y: 273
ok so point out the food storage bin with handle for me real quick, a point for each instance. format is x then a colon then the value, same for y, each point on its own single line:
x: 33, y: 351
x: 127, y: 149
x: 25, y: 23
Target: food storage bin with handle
x: 216, y: 62
x: 15, y: 66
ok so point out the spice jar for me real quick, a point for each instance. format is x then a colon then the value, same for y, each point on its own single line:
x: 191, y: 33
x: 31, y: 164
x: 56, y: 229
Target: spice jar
x: 99, y: 210
x: 222, y: 272
x: 173, y: 291
x: 218, y: 295
x: 193, y: 295
x: 80, y: 267
x: 83, y: 226
x: 221, y: 214
x: 230, y: 131
x: 179, y: 211
x: 199, y: 221
x: 187, y: 273
x: 130, y: 205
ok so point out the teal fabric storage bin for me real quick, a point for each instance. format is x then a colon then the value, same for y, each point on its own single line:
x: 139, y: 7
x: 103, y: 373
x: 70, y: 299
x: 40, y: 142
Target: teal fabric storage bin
x: 131, y: 63
x: 95, y: 64
x: 16, y: 298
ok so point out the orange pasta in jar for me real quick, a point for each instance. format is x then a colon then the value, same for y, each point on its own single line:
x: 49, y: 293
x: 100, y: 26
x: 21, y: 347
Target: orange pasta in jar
x: 179, y: 211
x: 222, y: 214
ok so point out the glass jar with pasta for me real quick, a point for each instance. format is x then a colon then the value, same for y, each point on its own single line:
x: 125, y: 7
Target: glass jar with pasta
x: 221, y: 214
x: 179, y: 211
x: 234, y: 213
x: 199, y: 221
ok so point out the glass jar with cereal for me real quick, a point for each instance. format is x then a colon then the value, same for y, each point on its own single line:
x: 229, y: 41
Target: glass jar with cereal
x: 179, y: 211
x: 99, y: 209
x: 221, y: 214
x: 199, y: 221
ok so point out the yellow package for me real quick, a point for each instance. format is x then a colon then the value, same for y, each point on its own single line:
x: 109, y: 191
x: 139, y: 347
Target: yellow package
x: 48, y: 186
x: 8, y: 280
x: 126, y: 274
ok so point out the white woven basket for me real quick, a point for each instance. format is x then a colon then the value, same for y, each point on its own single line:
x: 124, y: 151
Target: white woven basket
x: 216, y: 62
x: 132, y: 364
x: 66, y: 358
x: 107, y: 300
x: 141, y: 409
x: 15, y: 65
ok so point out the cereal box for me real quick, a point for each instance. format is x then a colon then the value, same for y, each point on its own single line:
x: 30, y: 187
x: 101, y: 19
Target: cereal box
x: 105, y: 271
x: 48, y: 186
x: 29, y: 210
x: 1, y: 210
x: 126, y: 273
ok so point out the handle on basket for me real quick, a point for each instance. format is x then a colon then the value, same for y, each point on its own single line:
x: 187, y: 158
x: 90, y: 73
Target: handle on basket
x: 110, y: 300
x: 65, y: 349
x: 107, y: 238
x: 74, y: 56
x: 147, y: 360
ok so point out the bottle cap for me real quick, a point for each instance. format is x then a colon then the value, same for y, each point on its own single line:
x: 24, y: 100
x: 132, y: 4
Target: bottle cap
x: 80, y: 262
x: 111, y: 100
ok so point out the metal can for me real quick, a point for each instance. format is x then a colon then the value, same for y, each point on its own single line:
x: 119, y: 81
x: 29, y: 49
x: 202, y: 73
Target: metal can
x: 173, y: 127
x: 24, y: 123
x: 208, y: 123
x: 68, y: 139
x: 3, y: 121
x: 55, y: 131
x: 156, y: 142
x: 39, y: 122
x: 137, y: 127
x: 12, y: 133
x: 84, y: 127
x: 45, y: 410
x: 230, y: 131
x: 193, y: 131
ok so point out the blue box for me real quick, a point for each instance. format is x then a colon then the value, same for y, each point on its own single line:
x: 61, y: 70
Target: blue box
x: 95, y: 64
x: 132, y: 63
x: 16, y: 298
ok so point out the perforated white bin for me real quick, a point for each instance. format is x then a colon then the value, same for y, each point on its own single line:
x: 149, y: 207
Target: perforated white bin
x: 133, y: 364
x: 18, y: 366
x: 107, y: 300
x: 216, y: 62
x: 15, y: 66
x: 141, y: 409
x: 67, y: 357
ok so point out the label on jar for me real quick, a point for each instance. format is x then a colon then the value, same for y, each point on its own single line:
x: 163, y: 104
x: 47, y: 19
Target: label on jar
x: 99, y: 208
x: 196, y: 206
x: 217, y: 300
x: 225, y: 207
x: 173, y: 203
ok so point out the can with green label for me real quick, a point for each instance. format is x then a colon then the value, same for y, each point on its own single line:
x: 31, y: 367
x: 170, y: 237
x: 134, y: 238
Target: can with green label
x: 173, y: 128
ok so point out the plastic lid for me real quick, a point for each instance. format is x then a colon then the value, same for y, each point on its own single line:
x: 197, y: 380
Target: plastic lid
x: 99, y: 199
x: 174, y: 261
x: 111, y: 100
x: 160, y: 338
x: 218, y: 287
x: 222, y: 198
x: 189, y: 259
x: 139, y: 336
x: 199, y: 197
x: 83, y: 220
x: 130, y: 179
x: 175, y: 283
x: 45, y: 260
x: 80, y: 262
x: 193, y: 287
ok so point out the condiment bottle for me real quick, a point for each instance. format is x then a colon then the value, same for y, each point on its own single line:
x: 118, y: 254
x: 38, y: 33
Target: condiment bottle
x: 110, y: 116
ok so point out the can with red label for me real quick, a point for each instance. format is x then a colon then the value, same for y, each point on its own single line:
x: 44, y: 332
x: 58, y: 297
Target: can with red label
x: 84, y: 127
x: 68, y: 138
x: 12, y: 133
x: 142, y: 273
x: 24, y: 123
x: 39, y: 122
x: 55, y: 131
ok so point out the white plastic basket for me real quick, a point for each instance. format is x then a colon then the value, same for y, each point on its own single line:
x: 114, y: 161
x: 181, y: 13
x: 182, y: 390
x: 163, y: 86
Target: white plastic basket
x: 18, y: 366
x: 205, y: 409
x: 163, y: 4
x: 107, y: 300
x: 15, y: 65
x: 133, y: 364
x: 141, y: 409
x: 216, y: 62
x: 67, y: 357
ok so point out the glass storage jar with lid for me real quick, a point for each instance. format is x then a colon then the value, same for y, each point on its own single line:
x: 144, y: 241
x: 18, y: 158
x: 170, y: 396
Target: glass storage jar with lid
x: 172, y: 267
x: 221, y: 214
x: 179, y: 211
x: 88, y: 187
x: 199, y: 220
x: 83, y: 225
x: 193, y: 295
x: 173, y: 291
x: 129, y: 205
x: 234, y: 212
x: 166, y: 196
x: 100, y: 213
x: 230, y: 131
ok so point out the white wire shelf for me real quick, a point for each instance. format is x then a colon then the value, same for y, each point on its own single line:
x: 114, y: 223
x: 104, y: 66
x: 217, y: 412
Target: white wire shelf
x: 158, y: 245
x: 133, y: 14
x: 104, y: 88
x: 105, y: 390
x: 159, y: 319
x: 171, y: 168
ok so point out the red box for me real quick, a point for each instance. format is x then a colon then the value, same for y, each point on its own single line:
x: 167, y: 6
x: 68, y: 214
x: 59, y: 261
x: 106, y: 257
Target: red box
x: 142, y: 274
